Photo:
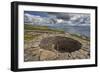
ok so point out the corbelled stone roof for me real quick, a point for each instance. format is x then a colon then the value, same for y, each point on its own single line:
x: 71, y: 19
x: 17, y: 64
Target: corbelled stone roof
x: 60, y: 44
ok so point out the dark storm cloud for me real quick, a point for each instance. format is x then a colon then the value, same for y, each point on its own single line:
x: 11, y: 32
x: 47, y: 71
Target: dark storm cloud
x: 64, y: 16
x: 67, y: 16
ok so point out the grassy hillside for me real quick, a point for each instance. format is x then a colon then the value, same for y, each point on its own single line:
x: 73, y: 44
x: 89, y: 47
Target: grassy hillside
x: 29, y: 37
x: 41, y: 28
x: 81, y: 37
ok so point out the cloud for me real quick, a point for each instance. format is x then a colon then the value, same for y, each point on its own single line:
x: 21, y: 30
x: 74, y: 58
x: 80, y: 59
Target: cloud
x: 64, y: 16
x: 71, y: 19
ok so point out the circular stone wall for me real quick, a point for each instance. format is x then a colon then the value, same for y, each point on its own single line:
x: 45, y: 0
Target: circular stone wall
x: 60, y: 44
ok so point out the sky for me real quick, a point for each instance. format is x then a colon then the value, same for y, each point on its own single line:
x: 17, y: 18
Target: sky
x: 57, y: 17
x: 36, y: 13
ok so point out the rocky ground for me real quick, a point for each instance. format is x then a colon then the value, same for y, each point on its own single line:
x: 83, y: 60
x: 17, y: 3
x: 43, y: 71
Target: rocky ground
x: 33, y: 52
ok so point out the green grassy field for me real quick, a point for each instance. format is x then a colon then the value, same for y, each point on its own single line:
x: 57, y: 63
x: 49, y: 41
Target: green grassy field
x: 41, y: 28
x: 29, y: 37
x: 81, y: 37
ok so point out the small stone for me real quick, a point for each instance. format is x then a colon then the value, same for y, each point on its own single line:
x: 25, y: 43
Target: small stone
x: 36, y: 44
x: 74, y: 55
x: 66, y: 56
x: 80, y: 55
x: 87, y: 57
x: 83, y: 52
x: 47, y: 55
x: 63, y: 56
x: 70, y: 56
x: 86, y: 49
x: 35, y: 51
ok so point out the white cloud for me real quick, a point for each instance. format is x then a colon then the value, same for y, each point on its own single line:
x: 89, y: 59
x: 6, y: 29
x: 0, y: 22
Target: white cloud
x: 75, y: 20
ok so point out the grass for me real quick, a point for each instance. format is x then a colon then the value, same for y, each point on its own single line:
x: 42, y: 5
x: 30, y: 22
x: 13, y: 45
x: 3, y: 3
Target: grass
x: 29, y: 37
x: 81, y: 37
x: 41, y: 28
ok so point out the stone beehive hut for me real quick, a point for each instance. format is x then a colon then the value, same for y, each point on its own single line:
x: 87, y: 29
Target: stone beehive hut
x: 60, y: 44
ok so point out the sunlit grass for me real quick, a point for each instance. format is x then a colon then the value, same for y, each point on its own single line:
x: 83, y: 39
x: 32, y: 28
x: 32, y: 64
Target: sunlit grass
x: 29, y: 37
x: 81, y: 37
x: 41, y: 28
